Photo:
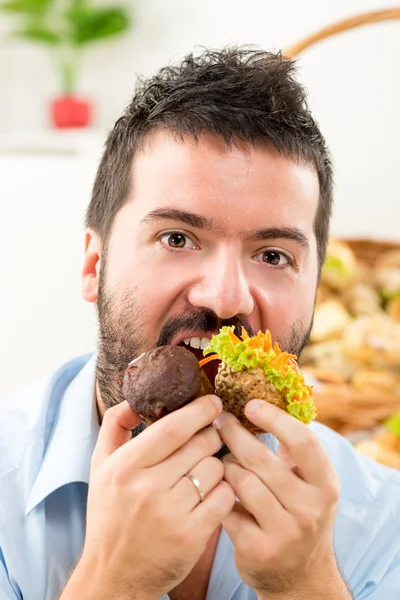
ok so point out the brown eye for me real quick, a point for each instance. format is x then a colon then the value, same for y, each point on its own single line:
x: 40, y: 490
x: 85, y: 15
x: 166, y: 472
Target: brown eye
x: 274, y: 258
x: 177, y: 240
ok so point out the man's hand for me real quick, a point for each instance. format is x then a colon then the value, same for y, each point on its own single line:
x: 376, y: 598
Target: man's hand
x: 146, y: 526
x: 282, y: 527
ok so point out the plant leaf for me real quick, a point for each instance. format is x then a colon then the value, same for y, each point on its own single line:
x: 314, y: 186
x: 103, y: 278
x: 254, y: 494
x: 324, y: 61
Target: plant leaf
x: 39, y: 33
x: 30, y: 7
x: 89, y: 23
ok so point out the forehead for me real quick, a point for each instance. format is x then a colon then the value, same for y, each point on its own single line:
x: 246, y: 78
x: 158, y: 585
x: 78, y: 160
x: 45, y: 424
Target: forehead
x: 236, y: 185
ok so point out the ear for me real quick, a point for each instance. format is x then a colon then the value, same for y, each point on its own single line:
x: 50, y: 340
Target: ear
x: 91, y: 266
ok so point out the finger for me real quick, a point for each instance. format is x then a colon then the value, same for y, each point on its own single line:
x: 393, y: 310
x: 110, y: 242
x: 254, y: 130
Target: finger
x: 208, y: 473
x: 166, y: 435
x: 240, y: 525
x: 254, y: 496
x: 255, y: 457
x: 115, y: 431
x: 306, y: 450
x: 208, y: 515
x: 284, y: 455
x: 204, y: 443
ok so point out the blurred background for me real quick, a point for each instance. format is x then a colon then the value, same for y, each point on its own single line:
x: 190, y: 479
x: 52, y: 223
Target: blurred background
x: 60, y: 95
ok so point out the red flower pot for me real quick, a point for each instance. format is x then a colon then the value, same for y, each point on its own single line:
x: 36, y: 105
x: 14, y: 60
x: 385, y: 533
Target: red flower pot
x: 68, y: 111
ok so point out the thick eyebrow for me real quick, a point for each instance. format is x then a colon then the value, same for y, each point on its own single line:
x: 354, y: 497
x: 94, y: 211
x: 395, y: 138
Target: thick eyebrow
x: 173, y: 214
x: 201, y: 222
x: 275, y: 233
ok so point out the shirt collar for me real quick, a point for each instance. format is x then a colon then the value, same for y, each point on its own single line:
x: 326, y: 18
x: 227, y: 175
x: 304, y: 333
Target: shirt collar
x: 73, y: 437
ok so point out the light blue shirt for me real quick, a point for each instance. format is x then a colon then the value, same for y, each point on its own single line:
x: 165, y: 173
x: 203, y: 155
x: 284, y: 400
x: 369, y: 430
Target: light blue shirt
x: 47, y: 436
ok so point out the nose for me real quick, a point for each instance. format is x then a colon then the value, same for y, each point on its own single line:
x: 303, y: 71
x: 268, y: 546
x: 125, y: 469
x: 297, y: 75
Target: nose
x: 223, y: 287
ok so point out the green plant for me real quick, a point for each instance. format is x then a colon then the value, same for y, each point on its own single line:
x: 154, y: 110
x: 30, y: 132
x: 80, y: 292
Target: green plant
x: 66, y: 26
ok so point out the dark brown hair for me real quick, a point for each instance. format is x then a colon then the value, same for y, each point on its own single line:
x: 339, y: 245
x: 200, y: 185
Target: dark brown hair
x: 234, y: 93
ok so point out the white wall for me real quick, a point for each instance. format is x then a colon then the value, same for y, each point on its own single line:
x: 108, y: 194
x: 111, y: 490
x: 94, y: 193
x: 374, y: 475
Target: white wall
x: 354, y: 83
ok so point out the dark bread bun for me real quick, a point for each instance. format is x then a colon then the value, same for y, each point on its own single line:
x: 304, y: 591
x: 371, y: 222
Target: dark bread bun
x: 163, y: 380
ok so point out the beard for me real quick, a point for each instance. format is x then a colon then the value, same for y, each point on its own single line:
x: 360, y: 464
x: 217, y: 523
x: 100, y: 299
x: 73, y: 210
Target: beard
x: 122, y: 335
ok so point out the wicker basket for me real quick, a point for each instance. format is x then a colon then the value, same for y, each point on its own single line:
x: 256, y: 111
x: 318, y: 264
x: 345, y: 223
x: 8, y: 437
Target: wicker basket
x: 369, y: 250
x: 342, y: 26
x: 339, y: 405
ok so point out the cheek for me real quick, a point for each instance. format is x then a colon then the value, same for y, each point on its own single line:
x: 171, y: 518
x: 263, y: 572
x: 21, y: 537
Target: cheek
x: 285, y: 299
x: 156, y: 280
x: 163, y: 278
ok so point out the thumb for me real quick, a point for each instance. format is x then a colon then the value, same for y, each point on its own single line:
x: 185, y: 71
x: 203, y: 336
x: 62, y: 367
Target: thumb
x: 115, y: 431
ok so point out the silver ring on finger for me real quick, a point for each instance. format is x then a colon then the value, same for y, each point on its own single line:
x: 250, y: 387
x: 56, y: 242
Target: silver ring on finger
x: 197, y: 485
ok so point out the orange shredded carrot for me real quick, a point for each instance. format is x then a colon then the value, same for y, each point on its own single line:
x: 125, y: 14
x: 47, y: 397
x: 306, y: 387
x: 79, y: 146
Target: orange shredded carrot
x: 281, y: 360
x: 244, y: 334
x: 268, y: 339
x: 208, y: 359
x: 254, y: 343
x: 234, y: 338
x: 277, y: 350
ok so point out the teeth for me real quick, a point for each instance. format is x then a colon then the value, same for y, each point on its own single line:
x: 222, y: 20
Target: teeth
x: 204, y: 343
x: 196, y: 342
x: 135, y: 359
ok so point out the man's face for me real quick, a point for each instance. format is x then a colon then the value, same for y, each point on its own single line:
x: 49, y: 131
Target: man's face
x: 210, y: 236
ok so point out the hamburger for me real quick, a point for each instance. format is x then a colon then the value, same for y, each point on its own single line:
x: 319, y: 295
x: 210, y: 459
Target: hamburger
x: 168, y: 377
x: 255, y: 368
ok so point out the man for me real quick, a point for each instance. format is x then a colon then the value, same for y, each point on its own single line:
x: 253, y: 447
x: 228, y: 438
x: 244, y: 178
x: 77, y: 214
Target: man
x: 211, y: 206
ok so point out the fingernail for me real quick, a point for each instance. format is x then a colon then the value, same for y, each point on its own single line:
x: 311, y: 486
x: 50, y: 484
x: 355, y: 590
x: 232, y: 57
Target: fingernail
x: 216, y: 401
x: 217, y: 422
x: 253, y: 406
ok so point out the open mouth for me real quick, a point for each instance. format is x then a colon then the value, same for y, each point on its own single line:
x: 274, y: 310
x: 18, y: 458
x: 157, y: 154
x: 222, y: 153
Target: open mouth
x: 196, y: 345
